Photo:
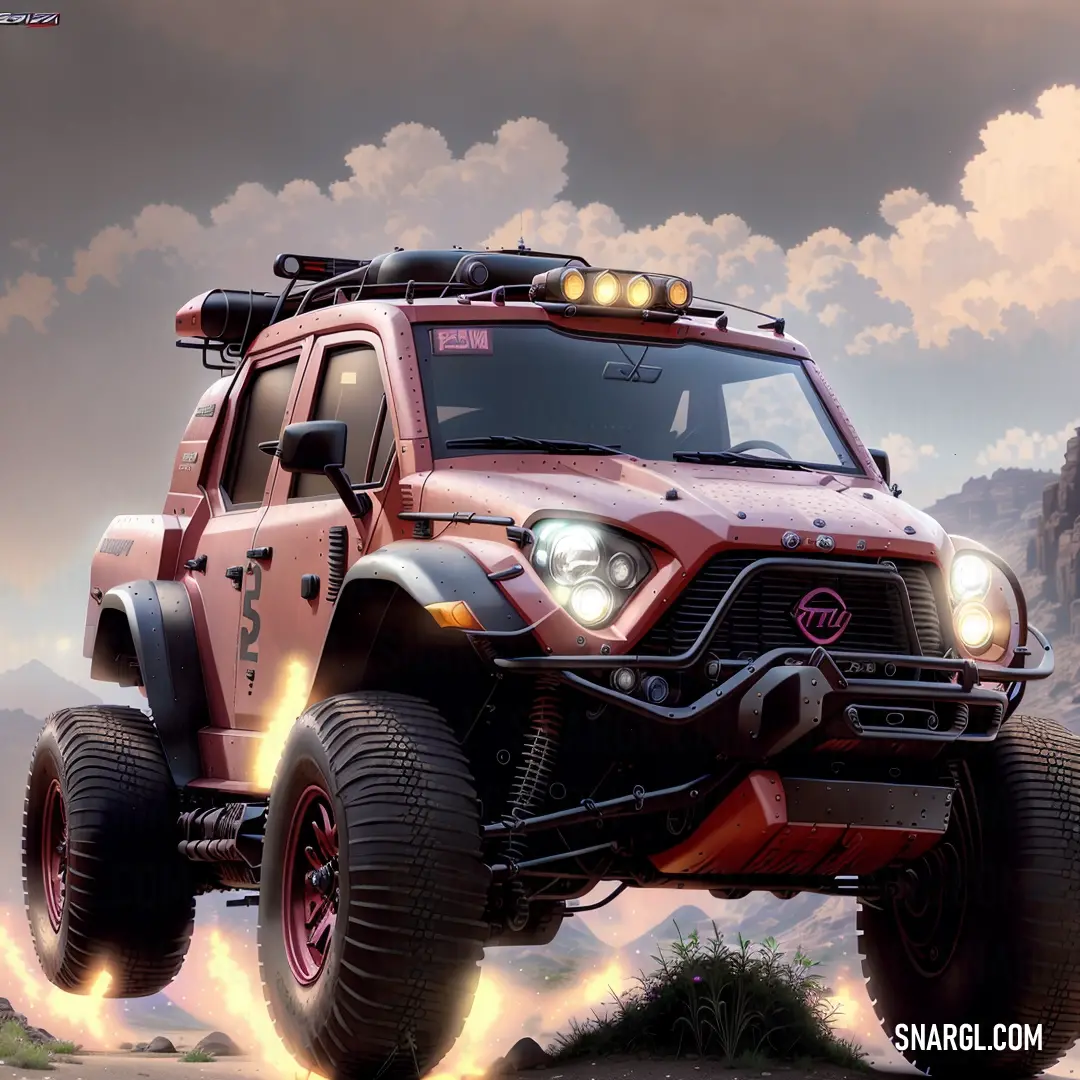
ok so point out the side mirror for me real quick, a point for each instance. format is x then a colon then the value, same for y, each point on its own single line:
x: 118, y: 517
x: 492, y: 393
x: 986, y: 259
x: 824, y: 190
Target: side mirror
x: 318, y: 446
x: 312, y: 446
x: 881, y: 460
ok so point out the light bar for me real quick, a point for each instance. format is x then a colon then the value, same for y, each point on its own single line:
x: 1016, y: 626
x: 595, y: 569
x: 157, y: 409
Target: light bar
x: 593, y: 287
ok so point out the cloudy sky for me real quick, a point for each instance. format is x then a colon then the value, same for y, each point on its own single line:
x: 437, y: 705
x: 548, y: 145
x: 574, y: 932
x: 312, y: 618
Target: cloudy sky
x: 900, y: 179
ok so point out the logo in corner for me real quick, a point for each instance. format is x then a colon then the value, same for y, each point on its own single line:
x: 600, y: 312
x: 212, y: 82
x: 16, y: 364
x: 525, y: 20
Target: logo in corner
x: 822, y: 616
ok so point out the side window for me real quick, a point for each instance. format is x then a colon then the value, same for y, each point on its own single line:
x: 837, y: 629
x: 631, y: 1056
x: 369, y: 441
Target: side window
x: 352, y: 390
x: 262, y: 413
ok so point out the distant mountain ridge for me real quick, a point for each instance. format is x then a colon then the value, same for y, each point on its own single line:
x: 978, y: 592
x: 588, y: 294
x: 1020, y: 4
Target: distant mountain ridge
x: 36, y: 689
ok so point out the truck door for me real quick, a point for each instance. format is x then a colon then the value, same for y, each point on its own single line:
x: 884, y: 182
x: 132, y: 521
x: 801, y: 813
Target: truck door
x: 306, y: 540
x: 237, y: 488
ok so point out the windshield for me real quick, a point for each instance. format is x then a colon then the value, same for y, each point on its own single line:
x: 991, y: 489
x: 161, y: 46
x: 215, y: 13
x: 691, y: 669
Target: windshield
x: 654, y: 401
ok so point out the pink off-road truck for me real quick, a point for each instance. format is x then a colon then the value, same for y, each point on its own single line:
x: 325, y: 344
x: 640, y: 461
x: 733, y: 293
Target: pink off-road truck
x: 555, y: 578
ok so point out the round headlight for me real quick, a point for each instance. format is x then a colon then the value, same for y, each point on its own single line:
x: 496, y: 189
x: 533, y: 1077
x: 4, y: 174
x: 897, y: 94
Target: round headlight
x: 639, y: 292
x: 677, y: 293
x: 621, y: 570
x: 605, y: 288
x: 974, y: 626
x: 573, y: 285
x: 970, y: 577
x: 591, y: 603
x: 574, y: 555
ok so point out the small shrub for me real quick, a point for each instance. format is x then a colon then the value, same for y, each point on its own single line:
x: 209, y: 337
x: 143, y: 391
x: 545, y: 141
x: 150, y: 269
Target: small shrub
x: 741, y: 1005
x: 17, y: 1050
x: 62, y: 1046
x: 197, y: 1055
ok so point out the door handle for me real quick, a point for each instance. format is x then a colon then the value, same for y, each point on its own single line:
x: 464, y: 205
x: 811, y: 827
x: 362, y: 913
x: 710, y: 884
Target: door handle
x: 236, y: 575
x: 260, y: 553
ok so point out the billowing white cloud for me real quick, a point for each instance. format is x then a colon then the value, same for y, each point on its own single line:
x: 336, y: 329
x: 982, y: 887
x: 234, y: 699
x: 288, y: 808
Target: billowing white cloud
x: 410, y: 191
x: 905, y: 455
x: 1030, y: 449
x: 868, y: 338
x: 31, y: 297
x: 937, y: 308
x: 934, y: 270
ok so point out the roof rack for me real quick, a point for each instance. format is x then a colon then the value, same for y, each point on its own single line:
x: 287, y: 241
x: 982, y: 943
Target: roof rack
x: 226, y: 321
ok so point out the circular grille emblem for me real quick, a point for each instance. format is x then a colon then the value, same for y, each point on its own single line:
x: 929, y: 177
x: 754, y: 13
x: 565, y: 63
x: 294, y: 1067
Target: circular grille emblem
x: 791, y: 540
x: 822, y: 616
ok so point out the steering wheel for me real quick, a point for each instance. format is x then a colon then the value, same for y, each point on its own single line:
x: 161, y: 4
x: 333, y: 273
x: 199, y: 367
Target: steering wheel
x: 760, y: 444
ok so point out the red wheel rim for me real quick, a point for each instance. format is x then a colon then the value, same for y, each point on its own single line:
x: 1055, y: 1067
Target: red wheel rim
x: 311, y: 886
x: 54, y: 840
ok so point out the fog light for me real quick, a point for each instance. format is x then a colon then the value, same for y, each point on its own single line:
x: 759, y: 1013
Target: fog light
x: 624, y: 680
x: 591, y: 603
x: 656, y: 689
x: 974, y: 626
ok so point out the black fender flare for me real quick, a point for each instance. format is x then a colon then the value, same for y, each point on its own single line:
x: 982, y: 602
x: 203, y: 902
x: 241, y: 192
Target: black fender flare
x: 434, y: 573
x: 162, y: 626
x: 423, y: 572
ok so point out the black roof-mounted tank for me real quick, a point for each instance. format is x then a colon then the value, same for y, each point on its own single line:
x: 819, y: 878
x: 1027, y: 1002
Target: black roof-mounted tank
x: 475, y: 269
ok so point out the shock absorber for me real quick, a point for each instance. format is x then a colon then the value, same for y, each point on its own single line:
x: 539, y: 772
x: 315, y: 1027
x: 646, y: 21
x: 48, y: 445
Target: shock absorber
x: 532, y: 779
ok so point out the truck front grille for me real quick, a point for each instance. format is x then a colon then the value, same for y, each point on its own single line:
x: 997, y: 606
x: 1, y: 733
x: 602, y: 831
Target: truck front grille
x: 763, y: 615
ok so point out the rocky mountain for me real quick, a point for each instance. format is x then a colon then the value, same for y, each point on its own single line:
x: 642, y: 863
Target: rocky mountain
x: 1054, y: 550
x: 39, y: 691
x: 575, y: 950
x: 992, y: 504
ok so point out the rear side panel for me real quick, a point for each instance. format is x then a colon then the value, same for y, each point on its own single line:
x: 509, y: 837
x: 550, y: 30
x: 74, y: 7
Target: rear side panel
x: 134, y: 547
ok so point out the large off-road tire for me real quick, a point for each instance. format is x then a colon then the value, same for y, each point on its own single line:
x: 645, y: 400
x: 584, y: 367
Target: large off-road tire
x: 987, y: 928
x: 105, y: 887
x: 370, y: 960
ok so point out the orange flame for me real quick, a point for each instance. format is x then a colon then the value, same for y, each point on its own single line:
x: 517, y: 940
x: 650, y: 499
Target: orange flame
x: 294, y: 685
x: 64, y: 1015
x: 479, y: 1046
x: 243, y: 999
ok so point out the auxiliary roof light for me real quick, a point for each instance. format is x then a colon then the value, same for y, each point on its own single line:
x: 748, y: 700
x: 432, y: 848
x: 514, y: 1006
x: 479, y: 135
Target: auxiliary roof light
x: 612, y: 289
x: 605, y: 289
x: 573, y: 285
x: 639, y: 292
x: 678, y: 293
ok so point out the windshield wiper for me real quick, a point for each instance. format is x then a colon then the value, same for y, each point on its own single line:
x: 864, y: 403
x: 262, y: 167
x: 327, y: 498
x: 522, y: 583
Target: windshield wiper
x: 731, y: 457
x: 526, y: 442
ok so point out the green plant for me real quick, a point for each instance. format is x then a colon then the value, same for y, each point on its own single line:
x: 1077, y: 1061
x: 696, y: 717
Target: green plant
x: 197, y: 1055
x: 745, y: 1004
x: 63, y: 1047
x: 17, y: 1050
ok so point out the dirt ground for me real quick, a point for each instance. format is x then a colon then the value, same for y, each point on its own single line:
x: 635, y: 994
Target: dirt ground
x: 127, y: 1066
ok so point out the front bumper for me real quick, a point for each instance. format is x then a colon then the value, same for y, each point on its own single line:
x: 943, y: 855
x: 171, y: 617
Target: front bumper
x: 788, y: 692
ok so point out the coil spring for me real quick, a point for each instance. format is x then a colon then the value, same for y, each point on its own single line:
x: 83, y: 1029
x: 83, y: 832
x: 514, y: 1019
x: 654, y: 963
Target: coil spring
x: 537, y: 759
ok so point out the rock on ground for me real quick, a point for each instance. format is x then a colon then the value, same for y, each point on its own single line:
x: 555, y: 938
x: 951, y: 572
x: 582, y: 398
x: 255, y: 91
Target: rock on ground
x: 8, y: 1015
x: 524, y: 1054
x: 160, y: 1045
x: 219, y: 1044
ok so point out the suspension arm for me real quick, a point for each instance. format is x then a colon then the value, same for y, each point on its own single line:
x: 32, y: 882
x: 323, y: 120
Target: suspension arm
x: 639, y: 799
